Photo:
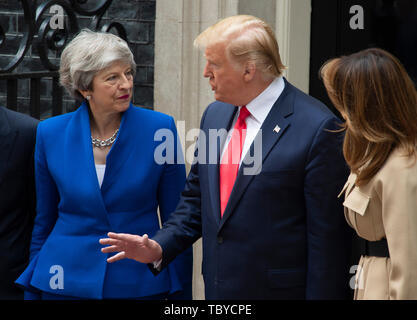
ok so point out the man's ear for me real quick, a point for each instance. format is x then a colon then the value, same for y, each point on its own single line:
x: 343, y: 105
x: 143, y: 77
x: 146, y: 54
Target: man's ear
x: 249, y: 71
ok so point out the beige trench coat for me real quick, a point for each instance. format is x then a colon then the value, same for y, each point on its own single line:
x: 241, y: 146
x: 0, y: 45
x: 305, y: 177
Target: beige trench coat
x: 386, y: 207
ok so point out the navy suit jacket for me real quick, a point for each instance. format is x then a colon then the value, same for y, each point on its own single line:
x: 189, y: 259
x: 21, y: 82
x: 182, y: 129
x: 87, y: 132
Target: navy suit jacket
x: 283, y: 234
x: 73, y: 213
x: 17, y: 197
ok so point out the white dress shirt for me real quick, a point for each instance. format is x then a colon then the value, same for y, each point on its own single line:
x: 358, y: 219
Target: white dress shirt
x: 100, y: 169
x: 259, y: 109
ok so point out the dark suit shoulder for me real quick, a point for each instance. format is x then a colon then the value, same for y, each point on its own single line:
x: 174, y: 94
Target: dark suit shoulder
x: 216, y: 112
x: 310, y: 105
x: 218, y: 105
x: 19, y: 121
x: 310, y: 115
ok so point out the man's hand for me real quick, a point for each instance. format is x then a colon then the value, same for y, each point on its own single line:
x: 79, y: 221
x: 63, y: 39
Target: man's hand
x: 131, y: 246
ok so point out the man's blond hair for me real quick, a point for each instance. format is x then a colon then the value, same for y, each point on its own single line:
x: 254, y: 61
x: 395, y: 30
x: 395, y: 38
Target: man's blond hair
x: 246, y: 39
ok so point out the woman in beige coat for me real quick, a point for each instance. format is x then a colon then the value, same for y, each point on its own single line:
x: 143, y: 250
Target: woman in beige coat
x: 378, y: 101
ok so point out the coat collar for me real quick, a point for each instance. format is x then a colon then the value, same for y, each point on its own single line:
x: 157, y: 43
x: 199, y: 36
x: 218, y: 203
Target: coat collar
x: 80, y: 146
x: 120, y: 150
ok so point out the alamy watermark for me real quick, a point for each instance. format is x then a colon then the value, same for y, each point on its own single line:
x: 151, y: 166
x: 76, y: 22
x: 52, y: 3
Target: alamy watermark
x: 57, y: 20
x: 56, y: 282
x: 206, y: 149
x: 356, y: 281
x: 357, y: 21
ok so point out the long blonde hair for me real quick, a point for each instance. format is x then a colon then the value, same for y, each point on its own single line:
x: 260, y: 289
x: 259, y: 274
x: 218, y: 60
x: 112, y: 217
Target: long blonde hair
x: 377, y: 98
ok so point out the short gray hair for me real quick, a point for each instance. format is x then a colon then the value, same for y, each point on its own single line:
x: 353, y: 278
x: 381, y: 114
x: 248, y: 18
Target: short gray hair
x: 88, y: 53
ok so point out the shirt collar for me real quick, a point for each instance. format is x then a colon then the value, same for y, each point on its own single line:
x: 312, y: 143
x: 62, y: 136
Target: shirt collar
x: 262, y: 104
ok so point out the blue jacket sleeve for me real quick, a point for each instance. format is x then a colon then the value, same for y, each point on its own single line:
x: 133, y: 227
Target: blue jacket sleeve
x: 46, y: 213
x: 47, y: 197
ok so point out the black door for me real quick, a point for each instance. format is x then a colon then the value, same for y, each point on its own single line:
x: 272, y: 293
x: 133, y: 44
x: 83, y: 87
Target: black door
x: 341, y: 27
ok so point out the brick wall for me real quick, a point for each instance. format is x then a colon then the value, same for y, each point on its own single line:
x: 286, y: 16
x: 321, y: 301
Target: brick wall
x: 138, y: 18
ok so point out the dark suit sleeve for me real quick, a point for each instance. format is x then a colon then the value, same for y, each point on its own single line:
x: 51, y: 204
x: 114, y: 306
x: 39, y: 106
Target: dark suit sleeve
x: 172, y: 181
x: 184, y: 226
x: 31, y: 205
x: 328, y: 235
x: 18, y: 198
x: 169, y: 190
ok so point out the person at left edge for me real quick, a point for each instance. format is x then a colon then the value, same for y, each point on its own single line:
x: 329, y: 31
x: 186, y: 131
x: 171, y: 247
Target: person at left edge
x: 84, y: 190
x: 17, y: 202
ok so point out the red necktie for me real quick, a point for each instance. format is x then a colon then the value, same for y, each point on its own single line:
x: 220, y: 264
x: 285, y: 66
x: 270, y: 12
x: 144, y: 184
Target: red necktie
x: 229, y: 164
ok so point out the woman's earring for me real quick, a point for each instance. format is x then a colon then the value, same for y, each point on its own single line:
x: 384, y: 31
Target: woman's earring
x: 88, y: 98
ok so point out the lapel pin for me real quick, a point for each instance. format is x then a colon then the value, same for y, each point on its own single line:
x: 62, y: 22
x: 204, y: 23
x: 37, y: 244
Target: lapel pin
x: 276, y: 129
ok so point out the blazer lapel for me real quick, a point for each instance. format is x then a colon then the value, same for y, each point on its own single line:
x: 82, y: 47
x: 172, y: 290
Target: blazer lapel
x: 120, y: 150
x: 80, y: 153
x: 7, y: 137
x: 81, y: 150
x: 274, y: 126
x: 223, y: 123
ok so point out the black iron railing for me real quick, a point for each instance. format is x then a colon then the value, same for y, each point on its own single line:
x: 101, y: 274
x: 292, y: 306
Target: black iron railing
x: 35, y: 90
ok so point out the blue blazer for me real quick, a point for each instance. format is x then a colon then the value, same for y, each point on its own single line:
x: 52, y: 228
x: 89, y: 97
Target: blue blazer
x: 283, y: 234
x: 73, y: 213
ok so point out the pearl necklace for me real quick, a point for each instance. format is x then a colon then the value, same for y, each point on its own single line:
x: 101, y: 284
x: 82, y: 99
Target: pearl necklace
x: 104, y: 143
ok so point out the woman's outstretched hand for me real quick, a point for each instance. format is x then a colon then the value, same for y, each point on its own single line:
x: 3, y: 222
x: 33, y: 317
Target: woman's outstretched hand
x: 131, y: 246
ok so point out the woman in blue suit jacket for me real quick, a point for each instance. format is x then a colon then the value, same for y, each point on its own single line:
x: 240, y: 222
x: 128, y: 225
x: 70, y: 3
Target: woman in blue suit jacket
x: 96, y: 171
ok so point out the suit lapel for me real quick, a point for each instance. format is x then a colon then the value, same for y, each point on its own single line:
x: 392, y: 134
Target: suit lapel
x: 273, y: 128
x: 81, y: 150
x: 223, y: 122
x: 80, y: 159
x: 7, y: 138
x: 120, y: 150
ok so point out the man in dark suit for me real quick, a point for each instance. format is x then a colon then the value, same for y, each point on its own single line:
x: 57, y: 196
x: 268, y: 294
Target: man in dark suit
x: 17, y: 197
x: 271, y: 223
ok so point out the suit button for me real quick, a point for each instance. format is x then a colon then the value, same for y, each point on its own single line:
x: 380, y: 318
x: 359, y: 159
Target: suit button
x: 219, y: 239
